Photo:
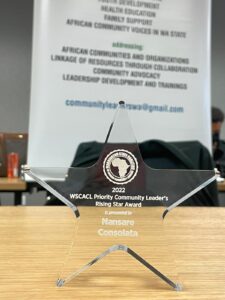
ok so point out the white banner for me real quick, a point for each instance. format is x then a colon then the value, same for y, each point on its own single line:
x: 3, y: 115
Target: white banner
x: 88, y: 55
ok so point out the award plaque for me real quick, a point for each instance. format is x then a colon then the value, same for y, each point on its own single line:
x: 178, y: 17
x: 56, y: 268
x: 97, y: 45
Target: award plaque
x: 116, y: 200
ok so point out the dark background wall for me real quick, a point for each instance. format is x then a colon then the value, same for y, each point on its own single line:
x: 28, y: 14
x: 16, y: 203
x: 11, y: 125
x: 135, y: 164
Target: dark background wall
x: 15, y: 61
x: 218, y: 56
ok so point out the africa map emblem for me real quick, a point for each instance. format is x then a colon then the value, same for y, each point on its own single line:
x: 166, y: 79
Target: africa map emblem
x: 120, y: 166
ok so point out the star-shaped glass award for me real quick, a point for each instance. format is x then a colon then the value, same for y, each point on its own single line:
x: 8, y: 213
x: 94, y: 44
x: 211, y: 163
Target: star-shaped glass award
x: 114, y: 198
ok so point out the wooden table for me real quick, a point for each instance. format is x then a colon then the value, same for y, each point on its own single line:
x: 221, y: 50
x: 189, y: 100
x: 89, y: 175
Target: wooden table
x: 34, y: 241
x: 221, y: 186
x: 13, y: 185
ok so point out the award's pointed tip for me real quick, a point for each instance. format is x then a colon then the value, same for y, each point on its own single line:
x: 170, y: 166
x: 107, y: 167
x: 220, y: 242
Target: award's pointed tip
x: 165, y: 213
x: 178, y: 287
x: 76, y: 212
x: 218, y: 175
x: 60, y: 282
x: 122, y: 102
x: 25, y: 168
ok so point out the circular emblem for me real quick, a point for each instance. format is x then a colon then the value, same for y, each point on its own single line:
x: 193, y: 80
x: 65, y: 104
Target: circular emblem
x: 120, y: 166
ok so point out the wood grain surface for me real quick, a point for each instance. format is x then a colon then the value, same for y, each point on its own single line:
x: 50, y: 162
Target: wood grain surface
x: 34, y: 242
x: 12, y: 184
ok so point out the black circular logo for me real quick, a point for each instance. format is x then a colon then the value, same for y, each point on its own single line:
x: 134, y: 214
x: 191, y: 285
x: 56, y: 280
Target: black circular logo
x: 120, y: 166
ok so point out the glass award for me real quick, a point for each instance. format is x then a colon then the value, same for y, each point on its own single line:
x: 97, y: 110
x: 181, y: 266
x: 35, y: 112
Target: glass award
x: 122, y: 203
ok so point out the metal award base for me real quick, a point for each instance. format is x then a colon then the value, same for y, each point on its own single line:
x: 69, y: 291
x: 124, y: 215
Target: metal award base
x: 128, y: 186
x: 175, y: 286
